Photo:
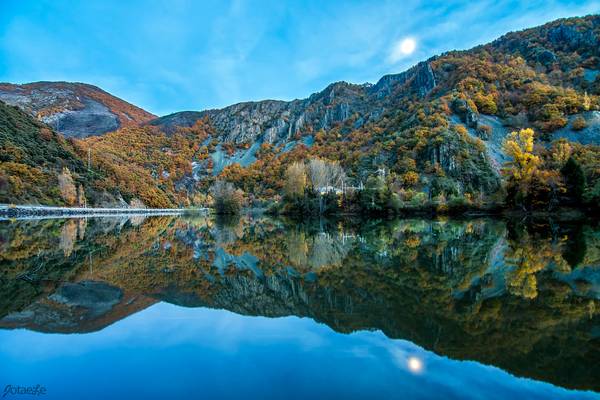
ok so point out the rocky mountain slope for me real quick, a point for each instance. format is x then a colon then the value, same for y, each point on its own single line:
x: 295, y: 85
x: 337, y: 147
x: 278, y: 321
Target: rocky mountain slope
x: 273, y: 121
x: 41, y: 166
x: 73, y: 109
x: 436, y: 130
x: 546, y: 78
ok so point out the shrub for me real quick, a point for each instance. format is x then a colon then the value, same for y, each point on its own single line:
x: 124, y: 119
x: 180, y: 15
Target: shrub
x: 458, y: 203
x: 484, y: 131
x: 579, y: 123
x: 410, y: 178
x: 419, y: 200
x: 226, y: 198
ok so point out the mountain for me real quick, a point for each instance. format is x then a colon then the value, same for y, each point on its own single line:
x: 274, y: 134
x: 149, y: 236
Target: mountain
x: 41, y: 166
x: 73, y: 109
x: 444, y: 119
x: 273, y: 121
x: 434, y: 133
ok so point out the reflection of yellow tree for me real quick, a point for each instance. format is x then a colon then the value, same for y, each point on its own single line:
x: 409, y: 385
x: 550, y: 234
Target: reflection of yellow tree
x: 81, y: 225
x: 528, y: 258
x: 297, y: 247
x: 68, y: 235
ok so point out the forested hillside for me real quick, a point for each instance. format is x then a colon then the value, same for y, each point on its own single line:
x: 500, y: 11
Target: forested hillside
x: 436, y: 131
x: 135, y: 166
x: 437, y: 136
x: 36, y: 163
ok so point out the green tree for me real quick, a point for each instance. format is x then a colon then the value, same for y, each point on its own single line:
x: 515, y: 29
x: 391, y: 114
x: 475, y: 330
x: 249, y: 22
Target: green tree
x: 375, y: 195
x: 574, y: 179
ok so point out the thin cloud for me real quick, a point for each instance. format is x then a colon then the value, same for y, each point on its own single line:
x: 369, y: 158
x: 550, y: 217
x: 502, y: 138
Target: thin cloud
x: 187, y: 55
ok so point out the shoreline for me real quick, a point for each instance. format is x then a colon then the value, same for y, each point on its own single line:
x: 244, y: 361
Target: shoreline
x: 25, y: 211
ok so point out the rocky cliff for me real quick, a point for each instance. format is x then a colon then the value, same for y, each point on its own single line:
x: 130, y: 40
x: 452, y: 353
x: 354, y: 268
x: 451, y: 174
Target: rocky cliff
x: 73, y: 109
x: 274, y: 121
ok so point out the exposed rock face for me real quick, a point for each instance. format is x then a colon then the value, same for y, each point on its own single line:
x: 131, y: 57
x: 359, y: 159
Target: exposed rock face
x: 467, y: 114
x: 73, y: 109
x: 273, y: 121
x: 419, y: 79
x: 570, y: 37
x: 590, y: 135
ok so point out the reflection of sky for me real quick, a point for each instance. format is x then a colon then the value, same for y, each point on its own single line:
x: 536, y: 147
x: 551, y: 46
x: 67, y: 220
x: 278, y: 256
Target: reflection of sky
x: 171, y: 352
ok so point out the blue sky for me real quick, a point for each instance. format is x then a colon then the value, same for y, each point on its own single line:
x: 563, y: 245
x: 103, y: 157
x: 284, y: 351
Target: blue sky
x: 168, y: 56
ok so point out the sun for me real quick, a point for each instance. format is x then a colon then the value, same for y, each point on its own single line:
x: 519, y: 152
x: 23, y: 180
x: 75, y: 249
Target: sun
x: 402, y: 48
x: 407, y: 46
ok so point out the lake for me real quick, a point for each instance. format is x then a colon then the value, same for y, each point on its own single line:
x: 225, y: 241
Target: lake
x: 256, y: 307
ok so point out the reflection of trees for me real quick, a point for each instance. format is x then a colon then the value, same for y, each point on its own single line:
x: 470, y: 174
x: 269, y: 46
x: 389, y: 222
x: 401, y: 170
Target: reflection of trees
x: 68, y: 236
x: 228, y: 228
x: 422, y: 280
x: 71, y: 231
x: 81, y: 225
x: 297, y: 247
x: 527, y: 262
x: 325, y: 249
x: 528, y: 255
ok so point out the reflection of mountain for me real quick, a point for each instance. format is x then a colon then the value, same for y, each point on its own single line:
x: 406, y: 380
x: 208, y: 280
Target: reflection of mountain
x: 476, y: 289
x: 84, y: 306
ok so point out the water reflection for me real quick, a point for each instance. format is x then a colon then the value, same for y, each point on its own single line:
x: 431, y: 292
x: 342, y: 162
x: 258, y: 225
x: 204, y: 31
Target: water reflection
x: 521, y: 296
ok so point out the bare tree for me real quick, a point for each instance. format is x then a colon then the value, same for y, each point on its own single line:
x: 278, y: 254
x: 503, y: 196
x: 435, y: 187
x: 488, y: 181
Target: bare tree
x: 317, y: 172
x: 325, y: 176
x: 226, y: 198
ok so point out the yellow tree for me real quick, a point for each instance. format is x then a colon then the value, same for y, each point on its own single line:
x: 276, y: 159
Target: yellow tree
x: 561, y: 151
x: 519, y: 147
x: 295, y: 180
x: 587, y: 103
x: 529, y: 185
x: 67, y: 188
x: 522, y: 169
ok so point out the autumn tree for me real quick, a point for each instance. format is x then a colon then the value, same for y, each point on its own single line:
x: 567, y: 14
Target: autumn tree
x: 295, y: 180
x: 530, y: 186
x: 587, y: 103
x: 136, y: 203
x: 67, y: 187
x: 519, y: 147
x: 579, y: 123
x: 561, y: 152
x: 81, y: 200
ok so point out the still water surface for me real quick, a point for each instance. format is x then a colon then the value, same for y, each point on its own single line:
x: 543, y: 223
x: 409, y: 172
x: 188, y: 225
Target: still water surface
x: 177, y: 307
